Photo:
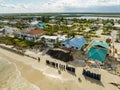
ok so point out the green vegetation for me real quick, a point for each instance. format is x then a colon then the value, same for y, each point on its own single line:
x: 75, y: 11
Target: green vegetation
x: 57, y: 45
x: 108, y: 40
x: 106, y: 32
x: 118, y: 37
x: 58, y: 22
x: 16, y: 42
x: 23, y: 43
x: 6, y: 40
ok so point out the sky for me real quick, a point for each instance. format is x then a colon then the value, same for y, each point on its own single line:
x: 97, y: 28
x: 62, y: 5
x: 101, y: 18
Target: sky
x: 41, y: 6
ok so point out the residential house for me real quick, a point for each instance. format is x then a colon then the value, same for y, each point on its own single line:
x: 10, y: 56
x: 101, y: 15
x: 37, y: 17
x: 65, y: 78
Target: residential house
x: 52, y: 17
x: 73, y: 43
x: 41, y: 25
x: 52, y: 21
x: 34, y: 35
x: 21, y: 34
x: 108, y: 25
x: 50, y: 41
x: 34, y: 23
x: 117, y: 26
x: 10, y: 31
x: 4, y: 21
x: 94, y: 27
x: 14, y: 22
x: 98, y: 51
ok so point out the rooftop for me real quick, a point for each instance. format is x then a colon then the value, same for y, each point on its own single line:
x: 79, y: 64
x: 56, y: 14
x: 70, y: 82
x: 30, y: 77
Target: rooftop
x: 74, y: 42
x: 117, y: 25
x: 50, y: 37
x: 102, y: 44
x: 35, y: 32
x: 97, y: 54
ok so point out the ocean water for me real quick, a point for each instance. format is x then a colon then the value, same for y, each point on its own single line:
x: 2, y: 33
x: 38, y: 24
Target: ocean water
x: 11, y: 78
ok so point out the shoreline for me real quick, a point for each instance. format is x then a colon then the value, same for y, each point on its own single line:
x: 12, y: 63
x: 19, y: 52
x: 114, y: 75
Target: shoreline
x: 39, y: 73
x: 47, y: 78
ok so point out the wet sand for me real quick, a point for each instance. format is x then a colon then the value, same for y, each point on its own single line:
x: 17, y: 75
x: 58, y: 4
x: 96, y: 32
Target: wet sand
x: 47, y: 78
x: 50, y: 81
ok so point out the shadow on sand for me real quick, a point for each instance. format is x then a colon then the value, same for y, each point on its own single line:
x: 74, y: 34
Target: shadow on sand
x: 94, y: 81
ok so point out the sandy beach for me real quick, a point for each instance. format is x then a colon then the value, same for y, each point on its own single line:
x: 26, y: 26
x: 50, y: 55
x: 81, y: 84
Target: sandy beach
x: 48, y: 78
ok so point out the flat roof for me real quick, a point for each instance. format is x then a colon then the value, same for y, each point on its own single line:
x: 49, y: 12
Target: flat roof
x: 50, y: 37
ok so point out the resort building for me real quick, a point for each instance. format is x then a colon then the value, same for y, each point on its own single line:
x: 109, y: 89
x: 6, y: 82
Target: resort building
x: 98, y: 51
x: 73, y: 43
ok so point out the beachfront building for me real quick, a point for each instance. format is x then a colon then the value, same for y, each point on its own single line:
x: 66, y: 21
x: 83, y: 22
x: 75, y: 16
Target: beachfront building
x: 34, y: 35
x: 21, y: 34
x: 9, y: 31
x: 73, y: 43
x: 50, y: 41
x: 59, y: 54
x: 30, y: 35
x: 98, y: 51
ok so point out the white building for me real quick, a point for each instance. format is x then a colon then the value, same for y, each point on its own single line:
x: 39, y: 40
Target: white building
x: 13, y: 22
x: 4, y: 21
x: 50, y: 41
x: 117, y: 26
x: 9, y: 31
x: 33, y: 23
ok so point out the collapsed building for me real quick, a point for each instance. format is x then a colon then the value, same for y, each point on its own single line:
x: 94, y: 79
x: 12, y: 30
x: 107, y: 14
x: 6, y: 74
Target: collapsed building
x: 60, y: 54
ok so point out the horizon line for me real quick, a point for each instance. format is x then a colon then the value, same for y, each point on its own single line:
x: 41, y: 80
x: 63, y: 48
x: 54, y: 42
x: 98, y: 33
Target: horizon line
x: 63, y: 13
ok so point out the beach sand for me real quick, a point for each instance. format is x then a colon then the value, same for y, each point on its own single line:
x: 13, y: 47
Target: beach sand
x: 47, y: 78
